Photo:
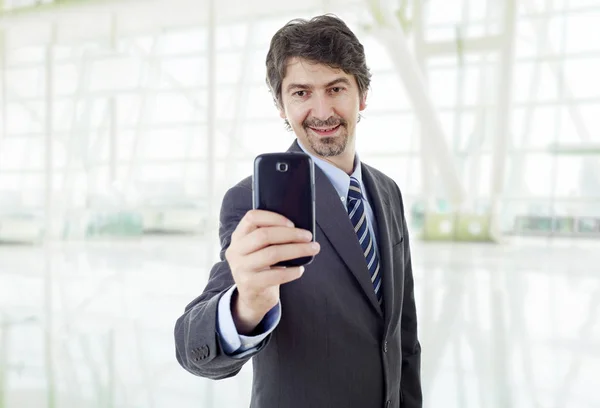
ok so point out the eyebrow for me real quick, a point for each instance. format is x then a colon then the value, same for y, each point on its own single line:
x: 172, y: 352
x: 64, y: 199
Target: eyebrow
x: 336, y: 81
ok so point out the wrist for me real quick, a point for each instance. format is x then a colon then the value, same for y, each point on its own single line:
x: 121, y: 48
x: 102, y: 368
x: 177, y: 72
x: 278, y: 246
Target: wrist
x: 245, y: 317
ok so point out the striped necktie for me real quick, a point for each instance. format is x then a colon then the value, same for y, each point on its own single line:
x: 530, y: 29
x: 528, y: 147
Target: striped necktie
x: 358, y: 216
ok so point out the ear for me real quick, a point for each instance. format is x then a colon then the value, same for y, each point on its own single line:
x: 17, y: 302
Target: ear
x: 282, y: 114
x: 363, y: 102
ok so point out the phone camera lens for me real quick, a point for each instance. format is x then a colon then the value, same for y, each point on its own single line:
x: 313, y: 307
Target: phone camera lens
x: 282, y: 167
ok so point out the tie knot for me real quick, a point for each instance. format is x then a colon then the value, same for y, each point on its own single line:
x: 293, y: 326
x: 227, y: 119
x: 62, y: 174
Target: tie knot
x: 354, y: 193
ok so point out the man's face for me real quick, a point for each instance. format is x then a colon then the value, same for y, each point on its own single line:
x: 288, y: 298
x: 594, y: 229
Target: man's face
x: 322, y: 106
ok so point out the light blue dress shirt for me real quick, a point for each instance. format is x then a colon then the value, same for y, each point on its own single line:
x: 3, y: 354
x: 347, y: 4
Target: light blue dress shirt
x: 237, y: 345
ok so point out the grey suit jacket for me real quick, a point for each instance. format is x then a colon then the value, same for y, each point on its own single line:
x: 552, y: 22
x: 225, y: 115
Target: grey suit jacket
x: 334, y: 345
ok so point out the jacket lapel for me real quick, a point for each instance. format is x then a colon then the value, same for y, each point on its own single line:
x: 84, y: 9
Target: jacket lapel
x: 332, y: 218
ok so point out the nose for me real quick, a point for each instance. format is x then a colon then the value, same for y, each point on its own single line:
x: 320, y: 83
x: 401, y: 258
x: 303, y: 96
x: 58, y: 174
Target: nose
x: 322, y: 108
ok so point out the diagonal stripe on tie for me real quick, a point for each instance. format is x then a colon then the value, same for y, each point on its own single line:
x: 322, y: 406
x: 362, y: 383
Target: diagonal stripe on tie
x: 375, y: 274
x: 358, y: 217
x: 362, y: 238
x: 368, y: 247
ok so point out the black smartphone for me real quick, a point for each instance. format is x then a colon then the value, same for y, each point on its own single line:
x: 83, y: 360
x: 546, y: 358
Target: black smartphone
x: 285, y: 183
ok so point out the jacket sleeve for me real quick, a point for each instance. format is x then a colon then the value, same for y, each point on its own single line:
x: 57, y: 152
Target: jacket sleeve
x: 234, y: 343
x: 197, y: 343
x: 410, y: 392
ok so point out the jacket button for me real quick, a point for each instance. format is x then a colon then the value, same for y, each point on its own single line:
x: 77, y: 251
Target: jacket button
x: 385, y: 346
x: 388, y: 403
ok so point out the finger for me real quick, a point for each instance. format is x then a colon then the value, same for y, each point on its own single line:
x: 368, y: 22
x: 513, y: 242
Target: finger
x: 264, y: 237
x: 275, y: 276
x: 260, y: 218
x: 269, y: 256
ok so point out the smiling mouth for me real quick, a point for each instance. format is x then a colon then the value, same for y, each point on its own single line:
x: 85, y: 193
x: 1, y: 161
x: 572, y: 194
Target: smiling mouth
x: 325, y: 131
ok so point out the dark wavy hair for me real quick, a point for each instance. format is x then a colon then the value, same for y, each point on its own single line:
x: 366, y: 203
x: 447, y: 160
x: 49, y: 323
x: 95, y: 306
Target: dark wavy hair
x: 324, y: 39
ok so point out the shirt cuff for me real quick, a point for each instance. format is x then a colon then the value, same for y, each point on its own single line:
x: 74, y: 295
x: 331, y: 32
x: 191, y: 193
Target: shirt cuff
x: 231, y: 341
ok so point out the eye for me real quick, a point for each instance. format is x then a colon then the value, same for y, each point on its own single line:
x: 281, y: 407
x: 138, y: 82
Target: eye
x: 301, y: 94
x: 337, y: 89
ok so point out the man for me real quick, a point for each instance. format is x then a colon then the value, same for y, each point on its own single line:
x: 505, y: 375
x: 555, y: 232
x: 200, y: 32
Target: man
x: 341, y: 332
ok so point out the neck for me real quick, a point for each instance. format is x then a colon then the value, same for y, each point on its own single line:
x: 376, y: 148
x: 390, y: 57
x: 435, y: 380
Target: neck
x: 344, y: 161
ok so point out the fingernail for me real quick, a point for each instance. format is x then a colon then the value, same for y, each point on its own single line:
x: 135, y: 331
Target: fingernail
x: 302, y: 269
x: 290, y: 224
x: 315, y: 245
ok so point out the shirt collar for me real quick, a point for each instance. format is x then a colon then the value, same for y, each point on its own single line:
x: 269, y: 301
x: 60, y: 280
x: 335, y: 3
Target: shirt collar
x: 337, y: 177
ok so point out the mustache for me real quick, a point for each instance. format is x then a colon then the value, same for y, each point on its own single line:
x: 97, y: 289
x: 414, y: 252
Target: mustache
x: 330, y: 122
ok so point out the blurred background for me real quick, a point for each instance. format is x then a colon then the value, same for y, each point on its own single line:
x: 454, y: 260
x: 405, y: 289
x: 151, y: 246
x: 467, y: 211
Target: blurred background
x: 123, y: 123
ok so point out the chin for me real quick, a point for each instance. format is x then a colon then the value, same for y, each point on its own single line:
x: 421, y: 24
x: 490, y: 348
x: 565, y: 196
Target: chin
x: 329, y: 146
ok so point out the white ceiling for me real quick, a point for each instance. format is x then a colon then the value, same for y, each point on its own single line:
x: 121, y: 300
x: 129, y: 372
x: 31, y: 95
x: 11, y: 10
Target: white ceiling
x: 92, y: 19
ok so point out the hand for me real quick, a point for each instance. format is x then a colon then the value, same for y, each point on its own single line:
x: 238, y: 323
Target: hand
x: 261, y: 239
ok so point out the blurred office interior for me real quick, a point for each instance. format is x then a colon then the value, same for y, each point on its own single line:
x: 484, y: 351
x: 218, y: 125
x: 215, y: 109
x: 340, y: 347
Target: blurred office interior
x: 123, y: 123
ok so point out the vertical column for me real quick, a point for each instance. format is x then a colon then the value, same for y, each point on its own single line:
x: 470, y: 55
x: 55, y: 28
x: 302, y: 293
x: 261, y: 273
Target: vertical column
x: 427, y: 174
x: 503, y: 120
x: 3, y: 85
x: 112, y: 141
x: 112, y: 112
x: 499, y: 346
x: 211, y: 113
x: 49, y: 124
x: 49, y: 227
x: 461, y: 78
x: 554, y: 199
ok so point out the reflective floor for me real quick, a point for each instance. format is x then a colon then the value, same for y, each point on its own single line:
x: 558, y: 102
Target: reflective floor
x: 90, y: 325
